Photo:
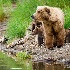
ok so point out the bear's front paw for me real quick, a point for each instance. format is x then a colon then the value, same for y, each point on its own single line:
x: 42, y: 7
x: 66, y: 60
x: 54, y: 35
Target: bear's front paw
x: 59, y: 46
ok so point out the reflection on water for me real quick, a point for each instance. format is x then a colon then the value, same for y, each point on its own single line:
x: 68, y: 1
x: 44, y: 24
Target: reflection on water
x: 3, y: 66
x: 41, y: 65
x: 7, y: 63
x: 16, y: 68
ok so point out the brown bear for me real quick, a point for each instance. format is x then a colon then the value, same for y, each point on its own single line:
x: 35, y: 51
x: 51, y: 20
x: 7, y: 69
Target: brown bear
x: 67, y: 38
x: 38, y: 29
x: 53, y: 24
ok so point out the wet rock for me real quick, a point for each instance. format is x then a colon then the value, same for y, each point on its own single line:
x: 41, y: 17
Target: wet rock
x: 49, y: 60
x: 18, y: 47
x: 67, y: 63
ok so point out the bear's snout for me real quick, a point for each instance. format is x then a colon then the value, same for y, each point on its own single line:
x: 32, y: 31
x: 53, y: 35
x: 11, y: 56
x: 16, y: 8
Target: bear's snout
x: 32, y: 16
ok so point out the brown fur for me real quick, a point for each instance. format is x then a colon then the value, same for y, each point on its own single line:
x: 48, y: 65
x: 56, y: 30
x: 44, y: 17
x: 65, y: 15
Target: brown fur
x: 38, y: 29
x: 53, y: 24
x: 67, y: 39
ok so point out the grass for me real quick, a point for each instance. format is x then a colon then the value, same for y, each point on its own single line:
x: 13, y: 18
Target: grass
x: 7, y: 60
x: 6, y: 2
x: 67, y: 17
x: 23, y: 56
x: 11, y: 63
x: 1, y: 11
x: 20, y: 17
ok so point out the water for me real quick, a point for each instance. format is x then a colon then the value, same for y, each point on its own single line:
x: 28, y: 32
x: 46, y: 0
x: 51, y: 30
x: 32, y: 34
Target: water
x: 38, y: 65
x: 3, y: 65
x: 41, y: 65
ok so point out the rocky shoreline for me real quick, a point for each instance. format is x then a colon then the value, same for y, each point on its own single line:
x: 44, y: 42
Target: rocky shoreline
x: 30, y: 44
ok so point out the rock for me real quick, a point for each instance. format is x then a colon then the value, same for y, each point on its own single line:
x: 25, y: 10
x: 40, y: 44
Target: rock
x: 18, y: 47
x: 3, y: 40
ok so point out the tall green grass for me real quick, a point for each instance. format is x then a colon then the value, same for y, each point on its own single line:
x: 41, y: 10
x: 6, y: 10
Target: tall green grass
x: 9, y: 2
x: 1, y: 11
x: 67, y: 17
x: 6, y: 2
x: 20, y: 18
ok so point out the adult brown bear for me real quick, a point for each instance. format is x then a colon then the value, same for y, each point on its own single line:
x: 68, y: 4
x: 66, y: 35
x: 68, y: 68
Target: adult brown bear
x: 67, y: 38
x: 53, y: 23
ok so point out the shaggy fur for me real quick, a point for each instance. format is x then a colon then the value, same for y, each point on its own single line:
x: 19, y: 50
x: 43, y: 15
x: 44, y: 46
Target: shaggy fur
x: 38, y: 29
x: 67, y: 39
x: 53, y: 24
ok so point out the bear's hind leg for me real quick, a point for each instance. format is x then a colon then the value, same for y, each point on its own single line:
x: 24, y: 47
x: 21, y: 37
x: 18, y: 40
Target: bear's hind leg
x: 60, y: 38
x: 49, y: 41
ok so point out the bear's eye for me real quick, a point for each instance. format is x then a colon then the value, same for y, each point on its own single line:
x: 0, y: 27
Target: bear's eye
x: 38, y: 11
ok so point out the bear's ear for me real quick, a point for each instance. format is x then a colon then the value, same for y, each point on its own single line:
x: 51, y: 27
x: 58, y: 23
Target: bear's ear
x: 47, y: 10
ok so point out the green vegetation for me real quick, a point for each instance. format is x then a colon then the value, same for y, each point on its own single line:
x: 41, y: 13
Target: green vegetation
x: 6, y: 8
x: 67, y: 17
x: 9, y: 63
x: 6, y: 2
x: 23, y: 55
x: 14, y: 1
x: 24, y: 59
x: 1, y: 11
x: 20, y: 17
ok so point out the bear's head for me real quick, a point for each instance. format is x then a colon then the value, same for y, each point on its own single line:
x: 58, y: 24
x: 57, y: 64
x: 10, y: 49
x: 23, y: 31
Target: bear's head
x: 38, y: 28
x: 42, y: 13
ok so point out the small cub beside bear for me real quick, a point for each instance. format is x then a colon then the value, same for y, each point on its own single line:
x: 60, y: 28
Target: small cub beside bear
x: 38, y: 29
